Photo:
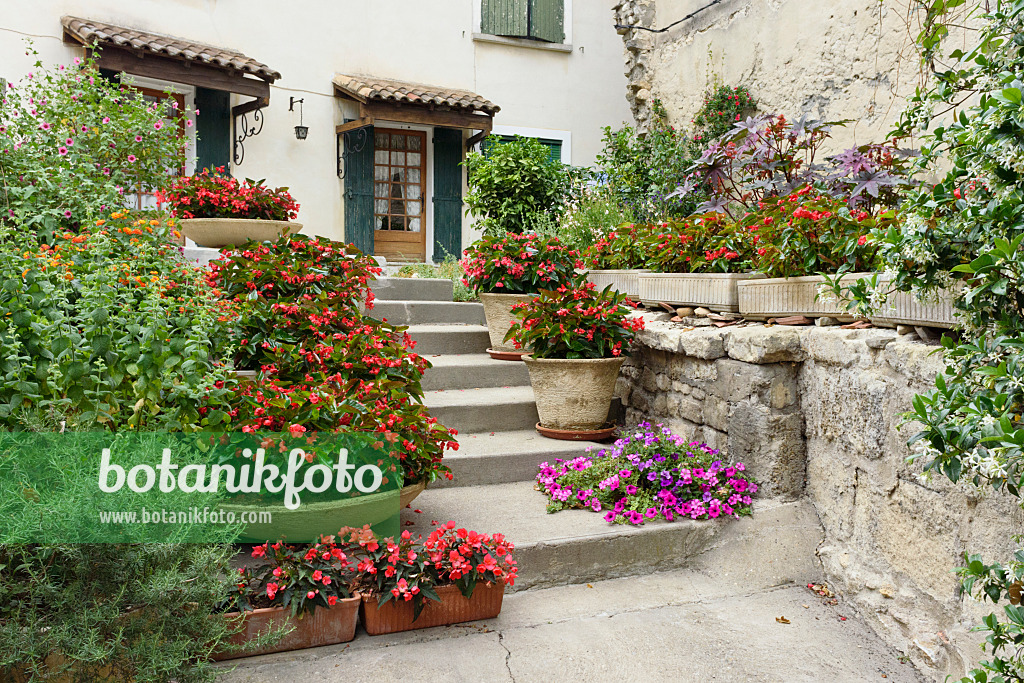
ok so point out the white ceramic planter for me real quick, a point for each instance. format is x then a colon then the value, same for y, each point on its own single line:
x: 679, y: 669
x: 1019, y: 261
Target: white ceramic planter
x: 782, y: 296
x: 222, y: 232
x: 573, y: 394
x: 498, y: 311
x: 622, y: 281
x: 716, y: 291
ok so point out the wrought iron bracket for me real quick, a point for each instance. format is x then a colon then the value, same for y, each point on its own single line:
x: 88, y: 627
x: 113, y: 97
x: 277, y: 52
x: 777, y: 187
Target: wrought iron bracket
x: 244, y: 128
x: 350, y: 142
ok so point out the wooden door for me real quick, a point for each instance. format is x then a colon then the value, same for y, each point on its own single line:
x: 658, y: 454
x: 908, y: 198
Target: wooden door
x: 399, y: 194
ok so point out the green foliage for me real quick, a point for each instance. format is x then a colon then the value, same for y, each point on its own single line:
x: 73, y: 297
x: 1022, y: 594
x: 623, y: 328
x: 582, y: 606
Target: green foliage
x: 449, y: 269
x: 722, y: 107
x: 575, y: 321
x: 109, y: 327
x: 590, y: 214
x: 75, y: 146
x: 513, y: 186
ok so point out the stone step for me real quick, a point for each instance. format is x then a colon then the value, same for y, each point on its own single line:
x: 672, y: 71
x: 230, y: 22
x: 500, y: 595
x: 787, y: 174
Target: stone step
x: 473, y: 371
x: 497, y: 409
x: 432, y: 340
x: 412, y: 289
x: 576, y: 546
x: 504, y: 457
x: 428, y: 312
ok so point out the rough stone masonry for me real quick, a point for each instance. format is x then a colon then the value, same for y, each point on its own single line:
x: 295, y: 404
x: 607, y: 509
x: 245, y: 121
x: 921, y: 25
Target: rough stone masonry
x: 817, y: 412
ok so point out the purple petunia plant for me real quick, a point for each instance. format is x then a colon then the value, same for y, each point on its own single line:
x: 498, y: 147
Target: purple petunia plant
x: 649, y: 474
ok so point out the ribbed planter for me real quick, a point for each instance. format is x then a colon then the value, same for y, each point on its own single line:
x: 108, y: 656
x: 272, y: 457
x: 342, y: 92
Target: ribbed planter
x: 320, y: 627
x: 622, y: 281
x: 903, y: 308
x: 783, y: 296
x: 716, y: 291
x: 222, y: 232
x: 454, y: 608
x: 311, y: 520
x: 573, y: 394
x: 498, y: 311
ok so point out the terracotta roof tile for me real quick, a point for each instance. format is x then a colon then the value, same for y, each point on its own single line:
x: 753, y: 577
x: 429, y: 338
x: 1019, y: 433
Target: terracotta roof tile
x: 88, y: 32
x: 366, y: 88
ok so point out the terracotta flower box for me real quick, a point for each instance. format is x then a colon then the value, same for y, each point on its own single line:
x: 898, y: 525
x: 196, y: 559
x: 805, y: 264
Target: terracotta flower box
x: 313, y: 629
x: 454, y: 608
x: 716, y: 291
x: 783, y: 296
x: 622, y: 281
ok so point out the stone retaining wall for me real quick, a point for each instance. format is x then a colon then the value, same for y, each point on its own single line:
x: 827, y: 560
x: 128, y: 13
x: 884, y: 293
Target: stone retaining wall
x: 815, y: 412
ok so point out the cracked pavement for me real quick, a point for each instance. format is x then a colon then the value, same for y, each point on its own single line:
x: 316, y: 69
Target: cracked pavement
x: 672, y: 626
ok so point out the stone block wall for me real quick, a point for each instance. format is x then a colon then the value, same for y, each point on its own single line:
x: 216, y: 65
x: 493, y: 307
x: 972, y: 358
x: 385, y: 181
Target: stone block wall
x: 817, y: 412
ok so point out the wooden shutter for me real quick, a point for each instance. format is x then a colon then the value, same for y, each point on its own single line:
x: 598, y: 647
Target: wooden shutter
x: 505, y: 18
x: 554, y: 149
x: 213, y: 128
x: 359, y: 188
x: 447, y: 193
x: 547, y: 20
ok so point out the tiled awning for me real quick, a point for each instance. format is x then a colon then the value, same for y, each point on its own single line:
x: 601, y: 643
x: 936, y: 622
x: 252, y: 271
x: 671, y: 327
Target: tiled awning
x: 367, y: 88
x: 89, y: 32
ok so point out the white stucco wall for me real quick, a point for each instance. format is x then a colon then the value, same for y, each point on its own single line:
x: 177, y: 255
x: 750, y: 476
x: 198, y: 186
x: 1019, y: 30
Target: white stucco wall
x: 572, y: 93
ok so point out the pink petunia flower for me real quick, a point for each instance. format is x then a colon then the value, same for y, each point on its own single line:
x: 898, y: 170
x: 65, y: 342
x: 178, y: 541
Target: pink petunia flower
x: 131, y: 158
x: 63, y: 151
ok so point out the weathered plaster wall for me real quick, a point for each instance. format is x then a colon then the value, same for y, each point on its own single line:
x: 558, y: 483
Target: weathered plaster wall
x: 836, y: 59
x: 815, y: 412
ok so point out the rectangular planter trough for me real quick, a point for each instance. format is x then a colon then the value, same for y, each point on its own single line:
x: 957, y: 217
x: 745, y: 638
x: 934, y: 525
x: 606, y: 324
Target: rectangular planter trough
x: 454, y: 608
x: 622, y: 281
x: 903, y: 308
x: 783, y: 296
x: 716, y: 291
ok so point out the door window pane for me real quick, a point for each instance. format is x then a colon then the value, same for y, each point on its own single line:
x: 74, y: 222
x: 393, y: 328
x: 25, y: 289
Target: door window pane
x: 399, y: 180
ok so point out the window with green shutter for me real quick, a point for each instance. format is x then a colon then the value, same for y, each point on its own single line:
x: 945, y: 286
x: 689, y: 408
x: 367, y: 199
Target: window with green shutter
x: 533, y: 19
x: 554, y: 146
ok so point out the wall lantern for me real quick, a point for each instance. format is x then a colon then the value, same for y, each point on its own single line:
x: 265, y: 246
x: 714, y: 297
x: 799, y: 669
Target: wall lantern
x: 300, y: 130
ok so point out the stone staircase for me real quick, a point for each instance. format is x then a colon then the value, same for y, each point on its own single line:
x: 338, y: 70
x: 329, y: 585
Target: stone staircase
x: 491, y: 405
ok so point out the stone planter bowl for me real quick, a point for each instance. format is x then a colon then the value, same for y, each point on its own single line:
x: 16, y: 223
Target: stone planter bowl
x: 498, y: 311
x: 222, y: 232
x: 573, y: 394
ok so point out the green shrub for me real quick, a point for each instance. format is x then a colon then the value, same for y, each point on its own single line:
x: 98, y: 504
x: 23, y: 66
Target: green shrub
x: 513, y: 186
x: 75, y: 146
x: 449, y: 269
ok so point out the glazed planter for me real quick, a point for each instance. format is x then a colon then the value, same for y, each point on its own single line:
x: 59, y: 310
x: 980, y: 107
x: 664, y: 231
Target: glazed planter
x: 622, y: 281
x: 498, y: 311
x: 454, y: 608
x: 322, y: 626
x: 311, y: 520
x: 715, y: 291
x: 222, y: 232
x: 784, y: 296
x: 573, y: 394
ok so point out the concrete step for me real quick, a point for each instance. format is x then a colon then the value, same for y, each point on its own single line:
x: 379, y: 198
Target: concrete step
x: 576, y: 546
x: 504, y: 457
x: 473, y: 371
x: 412, y: 289
x: 410, y: 312
x: 500, y: 409
x: 432, y: 340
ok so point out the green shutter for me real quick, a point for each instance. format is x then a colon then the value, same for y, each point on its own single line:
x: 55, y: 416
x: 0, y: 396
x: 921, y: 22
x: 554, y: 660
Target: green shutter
x: 554, y: 146
x: 358, y: 166
x: 213, y: 128
x: 554, y: 149
x: 505, y: 18
x: 547, y: 20
x: 447, y: 193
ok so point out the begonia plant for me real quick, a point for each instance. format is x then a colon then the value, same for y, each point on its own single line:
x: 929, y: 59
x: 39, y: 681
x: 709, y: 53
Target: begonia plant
x: 517, y: 264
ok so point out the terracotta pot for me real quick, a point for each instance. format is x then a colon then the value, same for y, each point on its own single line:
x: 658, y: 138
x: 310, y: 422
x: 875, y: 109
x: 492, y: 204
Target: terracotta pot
x: 311, y: 520
x: 454, y: 608
x: 573, y: 394
x: 498, y: 311
x: 221, y: 232
x: 321, y: 627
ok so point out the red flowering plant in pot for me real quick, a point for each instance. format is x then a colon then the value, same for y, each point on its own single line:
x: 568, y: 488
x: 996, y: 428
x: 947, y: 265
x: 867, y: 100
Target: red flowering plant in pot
x: 303, y: 591
x: 454, y: 575
x: 217, y: 210
x: 506, y: 269
x: 578, y: 336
